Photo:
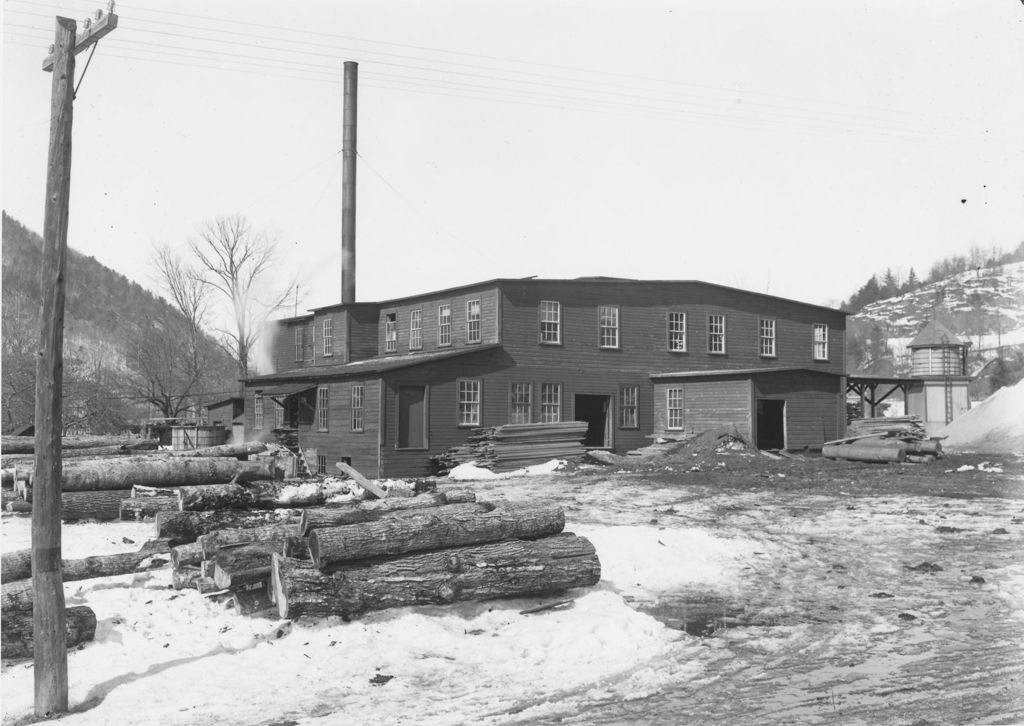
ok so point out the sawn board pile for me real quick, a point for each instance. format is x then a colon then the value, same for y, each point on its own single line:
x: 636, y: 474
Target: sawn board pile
x: 514, y: 446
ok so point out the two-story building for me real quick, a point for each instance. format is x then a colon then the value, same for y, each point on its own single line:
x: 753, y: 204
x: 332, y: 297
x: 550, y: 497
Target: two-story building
x: 384, y: 385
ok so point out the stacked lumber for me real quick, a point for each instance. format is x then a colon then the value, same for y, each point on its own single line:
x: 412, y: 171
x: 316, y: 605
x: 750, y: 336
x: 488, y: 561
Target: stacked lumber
x: 514, y: 446
x: 895, y: 439
x: 888, y: 426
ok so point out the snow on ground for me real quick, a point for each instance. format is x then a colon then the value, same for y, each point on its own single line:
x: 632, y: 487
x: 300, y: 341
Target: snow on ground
x: 996, y: 425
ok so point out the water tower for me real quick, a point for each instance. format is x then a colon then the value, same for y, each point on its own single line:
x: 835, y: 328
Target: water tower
x: 938, y: 392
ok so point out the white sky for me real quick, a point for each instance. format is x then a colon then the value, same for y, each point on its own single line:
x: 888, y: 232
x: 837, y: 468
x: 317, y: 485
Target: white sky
x: 792, y: 147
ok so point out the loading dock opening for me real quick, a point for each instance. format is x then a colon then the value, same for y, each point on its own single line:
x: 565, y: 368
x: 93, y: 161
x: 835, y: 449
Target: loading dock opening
x: 595, y: 411
x: 771, y: 424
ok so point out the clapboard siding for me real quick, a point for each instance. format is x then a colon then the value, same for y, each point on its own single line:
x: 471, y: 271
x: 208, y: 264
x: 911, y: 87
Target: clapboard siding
x: 340, y: 441
x: 281, y: 344
x: 428, y: 306
x: 706, y: 405
x: 811, y: 404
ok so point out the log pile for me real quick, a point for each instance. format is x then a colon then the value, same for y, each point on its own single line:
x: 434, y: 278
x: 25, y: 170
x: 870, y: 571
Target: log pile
x: 514, y: 446
x: 895, y: 439
x: 16, y: 630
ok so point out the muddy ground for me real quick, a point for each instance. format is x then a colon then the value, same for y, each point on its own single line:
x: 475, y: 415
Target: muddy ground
x: 888, y: 593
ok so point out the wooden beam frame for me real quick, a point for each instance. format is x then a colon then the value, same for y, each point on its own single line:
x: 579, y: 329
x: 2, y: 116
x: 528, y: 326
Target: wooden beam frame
x: 96, y: 29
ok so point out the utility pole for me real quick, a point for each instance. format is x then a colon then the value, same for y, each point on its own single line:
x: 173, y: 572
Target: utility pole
x: 348, y: 184
x: 48, y: 614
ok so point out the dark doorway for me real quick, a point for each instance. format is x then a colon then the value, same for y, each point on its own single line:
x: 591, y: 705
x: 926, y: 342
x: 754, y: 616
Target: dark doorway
x: 771, y: 424
x: 594, y: 410
x: 412, y: 417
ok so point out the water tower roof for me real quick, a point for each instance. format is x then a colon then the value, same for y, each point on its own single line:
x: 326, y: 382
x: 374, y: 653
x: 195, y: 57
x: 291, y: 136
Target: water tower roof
x: 935, y: 335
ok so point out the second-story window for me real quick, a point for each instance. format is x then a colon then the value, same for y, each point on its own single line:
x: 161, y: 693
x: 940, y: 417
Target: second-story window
x: 677, y: 332
x: 608, y: 322
x: 716, y: 334
x: 328, y: 336
x: 473, y: 321
x: 444, y: 324
x: 390, y: 333
x: 820, y: 341
x: 299, y: 342
x: 550, y: 321
x: 321, y: 408
x: 415, y: 330
x: 767, y: 337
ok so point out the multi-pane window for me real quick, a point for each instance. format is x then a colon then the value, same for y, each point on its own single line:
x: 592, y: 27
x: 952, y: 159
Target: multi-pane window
x: 521, y: 404
x: 278, y: 415
x: 677, y: 332
x: 820, y: 341
x: 321, y: 408
x: 444, y: 324
x: 328, y: 337
x: 357, y: 407
x: 716, y: 334
x: 390, y: 333
x: 675, y: 408
x: 550, y: 321
x: 469, y: 403
x: 473, y: 321
x: 627, y: 407
x: 415, y: 330
x: 299, y: 342
x: 321, y: 464
x: 550, y: 402
x: 767, y: 338
x: 257, y: 412
x: 608, y: 325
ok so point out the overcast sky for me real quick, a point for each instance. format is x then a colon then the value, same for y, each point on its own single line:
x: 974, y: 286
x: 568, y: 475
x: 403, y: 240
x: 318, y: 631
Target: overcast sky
x: 789, y: 147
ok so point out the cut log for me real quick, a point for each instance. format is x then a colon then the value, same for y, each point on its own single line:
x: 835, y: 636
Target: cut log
x: 20, y: 507
x: 252, y: 495
x: 210, y: 544
x: 252, y: 602
x: 361, y: 480
x: 860, y: 451
x: 139, y: 491
x: 453, y: 525
x: 26, y: 444
x: 513, y: 568
x: 18, y: 565
x: 16, y: 597
x: 186, y: 554
x: 136, y: 509
x: 244, y: 564
x: 296, y: 547
x: 159, y: 472
x: 185, y: 527
x: 101, y: 505
x: 924, y: 448
x: 319, y: 518
x: 253, y: 447
x: 17, y: 641
x: 184, y: 577
x: 206, y: 585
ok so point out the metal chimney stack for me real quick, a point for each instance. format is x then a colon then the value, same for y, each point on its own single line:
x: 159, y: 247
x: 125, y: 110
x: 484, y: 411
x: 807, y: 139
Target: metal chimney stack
x: 348, y: 185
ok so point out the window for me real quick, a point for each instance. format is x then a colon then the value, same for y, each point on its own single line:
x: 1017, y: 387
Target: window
x: 550, y: 321
x: 675, y: 408
x: 357, y: 407
x: 550, y: 402
x: 415, y: 330
x: 521, y: 405
x: 321, y: 464
x: 627, y: 407
x: 299, y: 343
x: 444, y: 325
x: 767, y: 338
x: 321, y: 408
x: 390, y: 333
x: 278, y: 415
x: 820, y: 341
x: 677, y: 332
x: 328, y: 336
x: 473, y: 321
x: 608, y: 322
x: 257, y: 412
x: 469, y: 403
x: 716, y: 334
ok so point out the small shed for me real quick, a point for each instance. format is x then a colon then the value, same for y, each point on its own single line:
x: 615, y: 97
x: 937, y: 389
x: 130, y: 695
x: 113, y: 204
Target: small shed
x: 196, y: 437
x: 229, y: 414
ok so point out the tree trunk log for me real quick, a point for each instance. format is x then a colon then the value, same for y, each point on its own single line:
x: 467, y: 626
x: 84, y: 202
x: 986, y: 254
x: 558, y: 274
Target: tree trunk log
x: 320, y: 518
x: 101, y: 505
x: 924, y: 448
x: 252, y: 495
x: 862, y: 451
x: 26, y: 444
x: 210, y: 544
x: 18, y: 565
x: 513, y: 568
x: 186, y: 554
x: 185, y: 527
x: 453, y: 525
x: 17, y: 640
x: 245, y: 564
x: 159, y: 472
x: 136, y: 509
x: 253, y: 447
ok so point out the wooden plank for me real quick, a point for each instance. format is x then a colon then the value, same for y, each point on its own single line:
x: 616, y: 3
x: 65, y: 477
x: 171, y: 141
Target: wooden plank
x: 362, y: 480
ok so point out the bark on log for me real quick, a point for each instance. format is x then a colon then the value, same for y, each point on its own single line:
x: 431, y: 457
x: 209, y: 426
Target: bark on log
x: 18, y: 565
x: 513, y: 568
x: 136, y: 509
x: 141, y: 492
x: 244, y: 564
x: 101, y: 505
x: 252, y: 495
x: 19, y: 506
x: 924, y: 448
x: 159, y: 472
x: 185, y: 527
x: 252, y: 602
x: 17, y: 640
x: 26, y: 444
x: 319, y: 518
x: 253, y: 447
x: 453, y: 525
x: 296, y: 547
x: 210, y: 544
x: 186, y: 554
x: 861, y: 452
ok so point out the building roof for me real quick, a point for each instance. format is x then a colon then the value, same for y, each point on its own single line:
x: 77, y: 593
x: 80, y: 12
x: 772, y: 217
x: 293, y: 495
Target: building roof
x: 359, y: 367
x: 935, y: 334
x: 737, y: 372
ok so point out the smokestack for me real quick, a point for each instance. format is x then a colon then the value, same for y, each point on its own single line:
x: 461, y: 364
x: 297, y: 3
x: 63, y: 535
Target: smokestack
x: 348, y: 185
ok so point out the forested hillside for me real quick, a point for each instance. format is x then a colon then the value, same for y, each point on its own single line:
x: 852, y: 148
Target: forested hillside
x: 127, y: 352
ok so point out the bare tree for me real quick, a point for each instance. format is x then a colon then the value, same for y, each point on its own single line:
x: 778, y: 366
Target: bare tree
x: 237, y: 260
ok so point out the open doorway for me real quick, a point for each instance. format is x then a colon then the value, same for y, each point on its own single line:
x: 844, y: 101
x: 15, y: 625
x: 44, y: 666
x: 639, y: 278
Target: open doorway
x: 594, y: 410
x: 771, y: 424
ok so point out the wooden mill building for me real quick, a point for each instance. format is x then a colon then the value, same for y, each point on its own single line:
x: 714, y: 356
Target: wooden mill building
x: 384, y: 385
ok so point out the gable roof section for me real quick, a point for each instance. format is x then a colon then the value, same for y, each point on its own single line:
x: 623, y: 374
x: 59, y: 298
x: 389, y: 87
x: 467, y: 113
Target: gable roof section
x: 934, y: 334
x: 361, y: 367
